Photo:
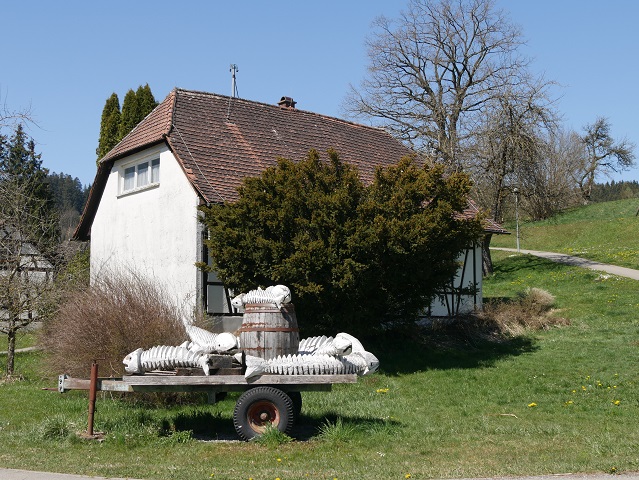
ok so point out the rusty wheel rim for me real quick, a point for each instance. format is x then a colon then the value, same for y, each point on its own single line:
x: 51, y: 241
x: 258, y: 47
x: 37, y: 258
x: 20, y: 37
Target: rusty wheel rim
x: 262, y: 414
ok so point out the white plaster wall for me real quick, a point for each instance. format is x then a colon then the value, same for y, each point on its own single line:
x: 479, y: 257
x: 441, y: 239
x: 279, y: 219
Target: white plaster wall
x: 152, y: 231
x: 472, y: 275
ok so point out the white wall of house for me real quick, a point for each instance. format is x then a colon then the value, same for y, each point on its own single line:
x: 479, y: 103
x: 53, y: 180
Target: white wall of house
x: 467, y: 277
x: 151, y: 229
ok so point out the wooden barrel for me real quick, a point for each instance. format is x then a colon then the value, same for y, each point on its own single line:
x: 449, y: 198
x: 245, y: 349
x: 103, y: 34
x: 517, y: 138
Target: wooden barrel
x: 267, y: 331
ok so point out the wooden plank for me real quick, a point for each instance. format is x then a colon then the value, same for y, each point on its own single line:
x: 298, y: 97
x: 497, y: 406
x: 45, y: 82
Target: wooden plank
x: 106, y: 384
x: 168, y: 382
x: 226, y: 380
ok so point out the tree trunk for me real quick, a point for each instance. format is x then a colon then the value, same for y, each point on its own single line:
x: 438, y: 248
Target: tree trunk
x: 11, y: 351
x: 487, y: 261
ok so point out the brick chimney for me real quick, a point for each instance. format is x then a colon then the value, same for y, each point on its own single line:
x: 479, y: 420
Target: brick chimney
x: 287, y: 102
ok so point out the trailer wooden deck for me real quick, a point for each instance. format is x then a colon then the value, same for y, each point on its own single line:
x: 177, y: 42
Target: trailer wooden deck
x: 268, y: 400
x: 171, y: 382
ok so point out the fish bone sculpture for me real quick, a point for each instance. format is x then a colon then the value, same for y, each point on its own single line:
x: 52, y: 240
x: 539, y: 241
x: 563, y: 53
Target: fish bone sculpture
x: 342, y: 344
x: 277, y: 294
x: 358, y: 363
x: 310, y: 345
x: 163, y: 357
x: 203, y: 341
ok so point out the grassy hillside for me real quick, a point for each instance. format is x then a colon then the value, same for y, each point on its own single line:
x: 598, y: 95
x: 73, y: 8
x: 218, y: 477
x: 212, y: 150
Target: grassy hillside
x: 605, y: 232
x: 560, y: 400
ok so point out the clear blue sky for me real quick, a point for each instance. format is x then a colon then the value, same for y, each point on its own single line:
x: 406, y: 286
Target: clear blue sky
x: 63, y: 59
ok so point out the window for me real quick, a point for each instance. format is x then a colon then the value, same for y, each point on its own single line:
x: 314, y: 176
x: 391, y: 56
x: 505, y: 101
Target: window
x: 146, y: 173
x: 155, y: 171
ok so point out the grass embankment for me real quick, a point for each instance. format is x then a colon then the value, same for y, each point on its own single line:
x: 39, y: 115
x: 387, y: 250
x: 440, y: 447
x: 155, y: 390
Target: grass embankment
x: 605, y: 232
x: 560, y: 400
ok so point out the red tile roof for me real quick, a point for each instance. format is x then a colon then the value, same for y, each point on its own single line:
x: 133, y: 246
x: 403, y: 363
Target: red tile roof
x: 219, y: 140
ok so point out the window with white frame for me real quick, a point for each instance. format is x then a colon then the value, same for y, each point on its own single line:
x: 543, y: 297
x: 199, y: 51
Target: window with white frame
x: 140, y: 175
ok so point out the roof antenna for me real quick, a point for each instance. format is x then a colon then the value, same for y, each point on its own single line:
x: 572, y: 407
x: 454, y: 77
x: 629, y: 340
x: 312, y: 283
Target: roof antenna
x: 233, y: 71
x: 234, y: 93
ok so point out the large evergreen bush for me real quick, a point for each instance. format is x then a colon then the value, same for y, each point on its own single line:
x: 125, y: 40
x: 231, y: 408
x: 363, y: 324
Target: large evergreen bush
x: 353, y: 255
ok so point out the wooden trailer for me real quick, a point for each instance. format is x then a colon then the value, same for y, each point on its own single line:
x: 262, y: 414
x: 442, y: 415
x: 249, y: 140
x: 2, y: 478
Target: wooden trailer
x: 267, y: 400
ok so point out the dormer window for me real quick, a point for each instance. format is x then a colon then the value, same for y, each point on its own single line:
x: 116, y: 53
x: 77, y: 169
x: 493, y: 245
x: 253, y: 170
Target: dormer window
x: 141, y: 175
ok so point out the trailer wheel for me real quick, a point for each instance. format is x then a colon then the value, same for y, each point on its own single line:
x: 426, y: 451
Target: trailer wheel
x: 296, y: 397
x: 262, y: 406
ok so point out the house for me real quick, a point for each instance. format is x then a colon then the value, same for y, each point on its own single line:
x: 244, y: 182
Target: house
x: 24, y: 274
x: 195, y: 148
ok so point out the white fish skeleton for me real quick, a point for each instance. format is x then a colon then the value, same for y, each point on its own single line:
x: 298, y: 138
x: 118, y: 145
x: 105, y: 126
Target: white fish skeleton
x: 203, y: 341
x: 358, y: 363
x: 277, y: 294
x: 164, y: 357
x: 342, y: 344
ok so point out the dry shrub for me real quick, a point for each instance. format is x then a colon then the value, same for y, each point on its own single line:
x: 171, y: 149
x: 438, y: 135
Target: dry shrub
x: 107, y: 321
x: 530, y: 310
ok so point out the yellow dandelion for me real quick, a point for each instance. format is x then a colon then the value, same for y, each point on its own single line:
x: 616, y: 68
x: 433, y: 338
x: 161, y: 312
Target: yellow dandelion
x: 408, y: 475
x: 279, y: 459
x: 533, y: 404
x: 617, y: 402
x: 583, y: 387
x: 569, y: 402
x: 382, y: 390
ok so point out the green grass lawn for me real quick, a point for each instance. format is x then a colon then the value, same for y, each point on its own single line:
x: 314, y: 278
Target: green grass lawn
x: 605, y: 232
x: 560, y: 400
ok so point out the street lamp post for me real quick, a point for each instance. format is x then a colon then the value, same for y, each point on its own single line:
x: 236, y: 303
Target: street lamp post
x: 516, y: 192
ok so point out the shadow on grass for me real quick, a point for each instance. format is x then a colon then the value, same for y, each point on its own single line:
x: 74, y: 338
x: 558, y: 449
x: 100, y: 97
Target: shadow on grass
x: 205, y: 426
x: 334, y: 426
x: 516, y: 265
x: 213, y: 427
x: 441, y: 352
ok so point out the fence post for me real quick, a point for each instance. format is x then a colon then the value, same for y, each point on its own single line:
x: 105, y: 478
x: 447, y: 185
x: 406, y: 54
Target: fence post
x: 93, y: 388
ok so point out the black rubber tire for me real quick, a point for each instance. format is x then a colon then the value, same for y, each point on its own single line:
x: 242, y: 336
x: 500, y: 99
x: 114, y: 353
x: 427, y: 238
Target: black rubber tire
x: 260, y: 406
x: 296, y: 397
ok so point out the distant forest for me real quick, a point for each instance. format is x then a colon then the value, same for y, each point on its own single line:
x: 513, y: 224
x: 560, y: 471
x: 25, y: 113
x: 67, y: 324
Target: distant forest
x: 606, y: 192
x: 69, y: 196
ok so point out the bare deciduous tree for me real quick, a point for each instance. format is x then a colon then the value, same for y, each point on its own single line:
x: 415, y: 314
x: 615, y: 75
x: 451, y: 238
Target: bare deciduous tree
x: 511, y: 140
x: 548, y: 184
x: 602, y: 155
x: 26, y: 260
x: 432, y: 73
x: 10, y: 117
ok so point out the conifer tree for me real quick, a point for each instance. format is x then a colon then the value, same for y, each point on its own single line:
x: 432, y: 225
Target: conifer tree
x: 146, y: 101
x: 135, y: 107
x: 21, y: 164
x: 130, y: 114
x: 109, y: 126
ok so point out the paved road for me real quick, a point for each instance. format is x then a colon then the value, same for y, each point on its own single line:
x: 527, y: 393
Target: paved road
x: 579, y: 262
x: 6, y: 474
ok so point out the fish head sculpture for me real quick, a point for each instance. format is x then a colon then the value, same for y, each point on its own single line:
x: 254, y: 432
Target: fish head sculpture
x: 372, y: 363
x: 226, y: 341
x: 282, y: 293
x: 355, y: 345
x: 133, y: 361
x: 237, y: 301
